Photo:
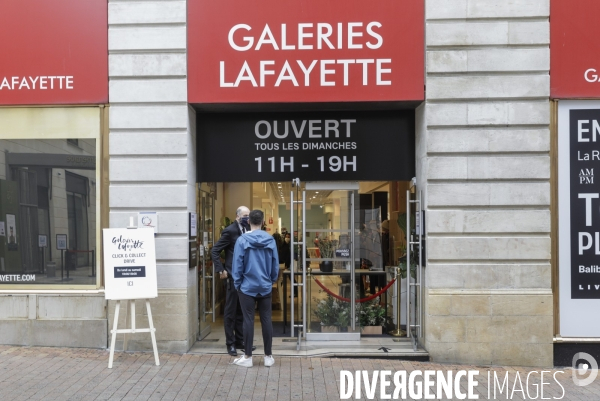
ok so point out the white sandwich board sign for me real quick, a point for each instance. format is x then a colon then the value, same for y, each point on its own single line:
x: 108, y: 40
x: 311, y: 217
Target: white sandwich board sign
x: 129, y: 263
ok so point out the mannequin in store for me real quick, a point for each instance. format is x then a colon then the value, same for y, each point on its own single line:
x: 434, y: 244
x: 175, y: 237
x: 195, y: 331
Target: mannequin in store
x: 285, y: 256
x: 374, y: 255
x: 385, y: 242
x: 11, y: 237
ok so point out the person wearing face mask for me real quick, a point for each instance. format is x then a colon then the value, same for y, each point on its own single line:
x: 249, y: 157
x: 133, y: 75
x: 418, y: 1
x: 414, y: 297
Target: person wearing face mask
x: 285, y: 256
x: 285, y: 253
x: 233, y: 318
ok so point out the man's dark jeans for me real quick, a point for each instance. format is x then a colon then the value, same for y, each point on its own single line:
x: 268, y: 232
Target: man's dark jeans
x: 264, y: 311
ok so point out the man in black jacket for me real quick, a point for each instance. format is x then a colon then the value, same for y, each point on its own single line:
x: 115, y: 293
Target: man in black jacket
x: 234, y: 336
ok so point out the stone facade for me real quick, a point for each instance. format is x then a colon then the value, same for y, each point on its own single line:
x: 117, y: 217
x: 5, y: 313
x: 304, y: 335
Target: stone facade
x: 483, y: 164
x: 52, y: 320
x: 68, y: 317
x: 483, y: 145
x: 152, y: 153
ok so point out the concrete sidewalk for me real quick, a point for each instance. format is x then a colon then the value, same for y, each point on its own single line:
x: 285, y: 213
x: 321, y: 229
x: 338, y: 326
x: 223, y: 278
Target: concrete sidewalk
x: 82, y: 374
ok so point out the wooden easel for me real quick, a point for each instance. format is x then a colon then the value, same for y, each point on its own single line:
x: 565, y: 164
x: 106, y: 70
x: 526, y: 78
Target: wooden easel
x: 131, y: 329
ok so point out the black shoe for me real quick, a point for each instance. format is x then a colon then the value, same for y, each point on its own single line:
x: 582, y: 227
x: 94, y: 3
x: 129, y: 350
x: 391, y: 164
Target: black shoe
x: 231, y: 350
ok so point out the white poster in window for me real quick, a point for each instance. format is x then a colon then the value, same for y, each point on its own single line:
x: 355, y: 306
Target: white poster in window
x: 12, y: 229
x: 2, y: 229
x: 61, y: 241
x: 148, y: 220
x: 193, y: 225
x: 129, y: 263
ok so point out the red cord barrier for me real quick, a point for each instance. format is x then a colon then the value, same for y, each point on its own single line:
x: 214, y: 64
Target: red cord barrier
x: 384, y: 289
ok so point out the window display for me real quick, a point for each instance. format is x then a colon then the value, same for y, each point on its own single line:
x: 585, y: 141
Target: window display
x: 48, y: 193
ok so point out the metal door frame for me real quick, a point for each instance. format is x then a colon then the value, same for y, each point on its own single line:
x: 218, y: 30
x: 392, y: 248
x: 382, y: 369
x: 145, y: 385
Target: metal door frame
x: 414, y: 321
x: 203, y: 250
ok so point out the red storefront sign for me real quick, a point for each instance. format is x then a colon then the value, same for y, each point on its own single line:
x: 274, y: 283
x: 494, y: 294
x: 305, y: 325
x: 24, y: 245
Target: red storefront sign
x: 269, y: 51
x: 53, y: 52
x: 574, y: 44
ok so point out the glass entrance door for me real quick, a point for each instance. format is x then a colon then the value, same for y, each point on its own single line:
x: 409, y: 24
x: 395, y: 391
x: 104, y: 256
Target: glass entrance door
x: 206, y: 280
x: 328, y: 255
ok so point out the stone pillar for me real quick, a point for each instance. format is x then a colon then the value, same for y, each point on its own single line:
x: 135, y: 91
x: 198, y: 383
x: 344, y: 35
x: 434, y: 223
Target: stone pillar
x: 152, y: 152
x: 483, y: 142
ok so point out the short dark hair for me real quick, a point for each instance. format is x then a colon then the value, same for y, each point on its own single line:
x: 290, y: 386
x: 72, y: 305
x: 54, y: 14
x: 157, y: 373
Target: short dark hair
x: 256, y: 217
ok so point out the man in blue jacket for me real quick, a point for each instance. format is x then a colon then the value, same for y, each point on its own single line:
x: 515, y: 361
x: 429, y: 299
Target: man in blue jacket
x: 255, y: 268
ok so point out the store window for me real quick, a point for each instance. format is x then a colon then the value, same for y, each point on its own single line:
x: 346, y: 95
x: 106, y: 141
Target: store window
x: 48, y: 212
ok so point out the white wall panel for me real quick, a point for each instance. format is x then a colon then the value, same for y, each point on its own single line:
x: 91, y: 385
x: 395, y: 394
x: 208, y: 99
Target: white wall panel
x: 488, y: 221
x: 488, y: 87
x: 146, y: 38
x: 141, y: 90
x: 157, y: 64
x: 487, y: 167
x: 148, y: 116
x: 148, y: 143
x: 507, y: 8
x: 147, y: 12
x: 489, y: 194
x: 147, y: 197
x: 132, y: 170
x: 499, y: 248
x: 496, y: 140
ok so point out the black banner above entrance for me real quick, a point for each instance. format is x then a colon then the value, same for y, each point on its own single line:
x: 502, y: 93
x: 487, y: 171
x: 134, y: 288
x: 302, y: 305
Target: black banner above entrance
x: 319, y: 146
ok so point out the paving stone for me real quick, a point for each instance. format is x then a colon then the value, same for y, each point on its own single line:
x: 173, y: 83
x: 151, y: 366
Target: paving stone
x: 31, y: 373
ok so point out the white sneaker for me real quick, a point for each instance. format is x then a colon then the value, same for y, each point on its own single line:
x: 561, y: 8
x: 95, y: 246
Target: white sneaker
x: 269, y: 361
x: 243, y: 361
